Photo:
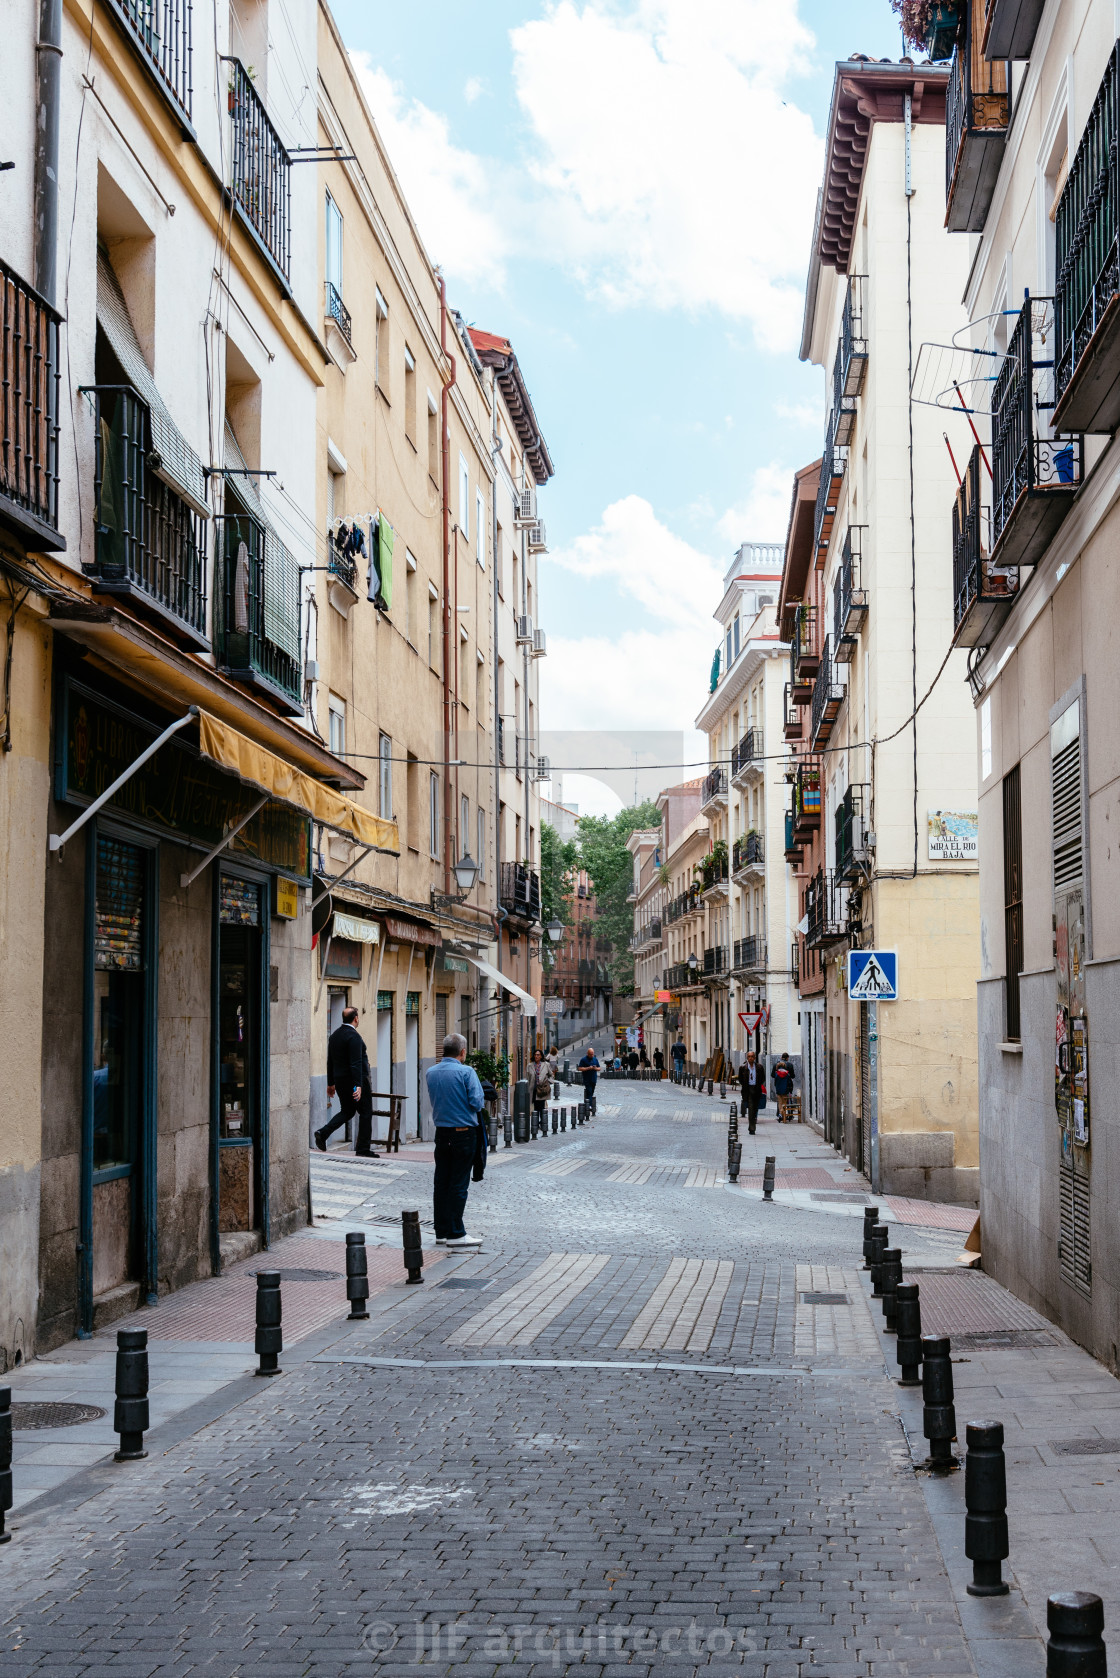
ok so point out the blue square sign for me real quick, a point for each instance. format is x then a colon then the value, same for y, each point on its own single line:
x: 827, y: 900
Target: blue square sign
x: 873, y: 975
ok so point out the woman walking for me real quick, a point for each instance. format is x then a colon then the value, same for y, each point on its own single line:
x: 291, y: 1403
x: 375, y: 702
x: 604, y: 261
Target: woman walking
x: 540, y: 1088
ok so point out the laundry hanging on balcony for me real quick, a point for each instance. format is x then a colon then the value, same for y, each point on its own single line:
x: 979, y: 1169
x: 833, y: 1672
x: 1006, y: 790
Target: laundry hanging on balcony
x: 172, y: 457
x: 380, y: 589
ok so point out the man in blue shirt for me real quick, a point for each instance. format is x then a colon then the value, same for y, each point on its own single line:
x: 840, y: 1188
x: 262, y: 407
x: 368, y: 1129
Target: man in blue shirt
x: 457, y: 1103
x: 589, y: 1072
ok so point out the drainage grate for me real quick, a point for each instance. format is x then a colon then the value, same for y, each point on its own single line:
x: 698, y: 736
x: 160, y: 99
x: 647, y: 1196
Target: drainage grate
x: 305, y: 1275
x: 31, y: 1416
x: 825, y: 1299
x: 1085, y: 1447
x: 466, y: 1282
x: 850, y: 1196
x: 1005, y: 1337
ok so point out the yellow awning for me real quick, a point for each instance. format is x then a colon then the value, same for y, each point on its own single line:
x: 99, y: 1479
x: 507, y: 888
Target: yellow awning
x: 258, y: 767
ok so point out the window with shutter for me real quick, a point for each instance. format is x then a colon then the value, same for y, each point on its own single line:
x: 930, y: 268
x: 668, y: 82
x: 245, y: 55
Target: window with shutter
x: 1072, y: 947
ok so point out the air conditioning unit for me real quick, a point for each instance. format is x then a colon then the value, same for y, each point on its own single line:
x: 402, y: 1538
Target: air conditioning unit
x: 524, y: 632
x: 540, y: 644
x: 537, y: 538
x: 527, y: 505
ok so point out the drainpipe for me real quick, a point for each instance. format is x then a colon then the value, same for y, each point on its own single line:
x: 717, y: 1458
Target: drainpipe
x: 445, y: 456
x: 495, y: 450
x: 48, y: 60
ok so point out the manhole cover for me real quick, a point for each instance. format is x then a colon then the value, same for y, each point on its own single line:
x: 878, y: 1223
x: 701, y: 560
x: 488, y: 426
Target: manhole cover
x: 304, y: 1275
x: 825, y: 1299
x: 1001, y: 1337
x: 29, y: 1416
x: 847, y: 1195
x: 1085, y: 1447
x: 465, y: 1282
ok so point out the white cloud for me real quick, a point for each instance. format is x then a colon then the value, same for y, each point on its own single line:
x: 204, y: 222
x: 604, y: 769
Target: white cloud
x: 451, y: 192
x: 763, y: 516
x: 650, y: 566
x: 808, y: 414
x: 474, y: 89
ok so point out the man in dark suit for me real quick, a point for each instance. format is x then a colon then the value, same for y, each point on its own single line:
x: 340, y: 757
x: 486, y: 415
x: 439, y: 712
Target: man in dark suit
x: 348, y: 1072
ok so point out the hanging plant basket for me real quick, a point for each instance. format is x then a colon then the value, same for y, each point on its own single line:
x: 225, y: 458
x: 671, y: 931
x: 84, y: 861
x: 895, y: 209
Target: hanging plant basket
x: 931, y: 26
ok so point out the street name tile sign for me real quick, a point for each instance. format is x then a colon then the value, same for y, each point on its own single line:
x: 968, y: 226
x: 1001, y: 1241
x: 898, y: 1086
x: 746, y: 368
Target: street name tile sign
x: 873, y: 975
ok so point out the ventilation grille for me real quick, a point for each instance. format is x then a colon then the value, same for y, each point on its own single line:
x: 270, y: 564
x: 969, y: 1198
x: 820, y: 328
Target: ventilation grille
x: 1066, y: 776
x: 1076, y: 1264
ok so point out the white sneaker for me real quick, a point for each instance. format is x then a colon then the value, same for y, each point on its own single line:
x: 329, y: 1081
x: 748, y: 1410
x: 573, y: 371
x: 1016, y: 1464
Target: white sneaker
x: 463, y: 1241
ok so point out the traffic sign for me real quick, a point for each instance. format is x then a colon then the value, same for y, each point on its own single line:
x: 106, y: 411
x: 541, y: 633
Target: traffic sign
x: 873, y: 975
x: 751, y: 1022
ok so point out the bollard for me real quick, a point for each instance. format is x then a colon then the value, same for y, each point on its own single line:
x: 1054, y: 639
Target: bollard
x: 269, y: 1342
x: 870, y: 1219
x: 734, y: 1159
x: 908, y: 1318
x: 879, y: 1239
x: 939, y: 1418
x: 413, y: 1246
x: 563, y: 1118
x: 1075, y: 1621
x: 890, y: 1275
x: 507, y: 1129
x: 357, y: 1277
x: 5, y: 1459
x: 583, y: 1112
x: 492, y: 1123
x: 555, y: 1120
x: 130, y: 1412
x: 521, y: 1110
x: 985, y: 1502
x: 709, y: 1086
x: 768, y: 1177
x: 722, y: 1090
x: 734, y: 1110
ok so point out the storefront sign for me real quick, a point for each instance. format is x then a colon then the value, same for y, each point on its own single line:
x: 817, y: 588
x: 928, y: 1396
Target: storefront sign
x: 663, y: 996
x: 408, y: 932
x: 285, y: 898
x: 554, y: 1004
x: 355, y: 928
x: 952, y: 835
x: 454, y: 964
x: 176, y: 792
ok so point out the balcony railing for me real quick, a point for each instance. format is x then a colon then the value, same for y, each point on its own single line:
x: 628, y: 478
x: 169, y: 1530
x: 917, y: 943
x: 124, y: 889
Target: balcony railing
x: 750, y: 954
x: 977, y: 116
x: 825, y: 909
x: 713, y: 872
x: 257, y: 611
x: 850, y: 363
x: 715, y: 961
x: 341, y: 565
x: 748, y: 754
x: 715, y: 785
x: 680, y: 975
x: 983, y: 593
x: 1034, y: 477
x: 649, y: 933
x: 29, y: 386
x: 849, y: 596
x: 806, y: 798
x: 149, y: 546
x: 828, y: 696
x: 520, y: 891
x: 792, y: 843
x: 1010, y: 27
x: 261, y: 170
x: 804, y: 659
x: 338, y: 312
x: 747, y: 852
x: 161, y: 31
x: 834, y: 464
x: 851, y: 833
x: 1087, y: 291
x: 791, y: 714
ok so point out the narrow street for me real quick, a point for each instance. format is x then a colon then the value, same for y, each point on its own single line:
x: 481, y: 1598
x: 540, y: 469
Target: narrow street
x: 620, y: 1437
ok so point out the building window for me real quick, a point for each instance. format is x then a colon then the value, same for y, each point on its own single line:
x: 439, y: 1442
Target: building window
x: 464, y: 498
x: 385, y: 766
x: 410, y: 395
x: 1012, y: 899
x: 433, y: 439
x: 465, y: 823
x: 480, y: 855
x: 410, y: 625
x: 381, y: 343
x: 433, y: 628
x: 433, y: 814
x: 334, y: 245
x: 480, y: 528
x: 336, y: 719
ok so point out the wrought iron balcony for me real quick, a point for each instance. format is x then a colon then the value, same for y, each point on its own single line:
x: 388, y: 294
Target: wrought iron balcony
x: 825, y: 909
x: 29, y: 386
x: 1010, y: 27
x: 792, y: 843
x: 850, y: 363
x: 149, y: 545
x: 338, y: 312
x: 804, y: 658
x: 160, y: 33
x: 713, y: 872
x: 714, y: 789
x: 257, y: 610
x: 1034, y: 477
x: 747, y: 757
x: 977, y: 117
x: 341, y: 565
x: 715, y: 961
x: 261, y: 170
x: 747, y: 853
x: 849, y: 596
x: 834, y: 464
x: 1087, y: 291
x: 519, y: 891
x: 983, y: 593
x: 852, y: 850
x: 828, y: 696
x: 806, y: 798
x: 791, y: 714
x: 750, y: 954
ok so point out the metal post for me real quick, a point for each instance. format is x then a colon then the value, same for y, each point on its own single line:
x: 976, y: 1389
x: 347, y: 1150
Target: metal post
x: 985, y: 1500
x: 130, y: 1412
x: 413, y: 1246
x: 908, y: 1319
x: 939, y: 1417
x: 873, y: 1081
x: 269, y: 1342
x: 768, y: 1177
x: 357, y: 1277
x: 1075, y: 1621
x: 5, y: 1459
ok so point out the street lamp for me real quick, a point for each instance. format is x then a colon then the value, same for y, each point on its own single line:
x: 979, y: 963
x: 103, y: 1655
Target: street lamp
x: 693, y: 963
x: 555, y: 929
x: 466, y: 873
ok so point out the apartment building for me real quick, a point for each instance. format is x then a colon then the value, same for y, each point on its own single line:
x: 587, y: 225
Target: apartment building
x: 649, y: 895
x: 685, y: 844
x: 751, y: 902
x: 883, y: 787
x: 578, y: 975
x: 1033, y: 175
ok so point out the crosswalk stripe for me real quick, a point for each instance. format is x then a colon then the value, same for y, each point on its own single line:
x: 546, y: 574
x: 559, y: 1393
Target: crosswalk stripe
x: 516, y: 1317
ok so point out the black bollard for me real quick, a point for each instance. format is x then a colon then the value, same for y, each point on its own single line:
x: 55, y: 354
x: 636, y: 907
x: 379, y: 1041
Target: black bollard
x: 492, y: 1123
x: 130, y: 1412
x: 890, y: 1275
x: 879, y: 1239
x: 563, y: 1118
x: 521, y: 1110
x: 5, y: 1459
x: 870, y: 1219
x: 583, y: 1112
x: 939, y: 1418
x: 985, y: 1502
x: 709, y: 1086
x: 722, y: 1090
x: 555, y: 1120
x: 734, y: 1159
x: 357, y: 1277
x: 1075, y: 1621
x: 413, y: 1246
x: 908, y: 1318
x: 768, y: 1177
x: 269, y: 1342
x: 734, y: 1113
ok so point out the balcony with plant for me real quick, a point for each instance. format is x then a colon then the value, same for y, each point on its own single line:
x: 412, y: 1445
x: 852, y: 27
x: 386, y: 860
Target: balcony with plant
x: 747, y: 856
x: 806, y: 798
x: 713, y: 869
x: 159, y: 32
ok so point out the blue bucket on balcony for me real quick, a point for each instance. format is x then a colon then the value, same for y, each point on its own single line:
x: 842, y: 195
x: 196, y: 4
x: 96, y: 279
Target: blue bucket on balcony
x: 1063, y: 464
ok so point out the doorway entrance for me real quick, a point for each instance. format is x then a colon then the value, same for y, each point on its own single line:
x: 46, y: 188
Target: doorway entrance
x: 411, y: 1123
x: 242, y: 1056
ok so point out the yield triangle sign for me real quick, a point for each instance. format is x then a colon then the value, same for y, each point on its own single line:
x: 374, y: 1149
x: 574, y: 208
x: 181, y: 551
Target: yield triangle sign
x: 751, y: 1022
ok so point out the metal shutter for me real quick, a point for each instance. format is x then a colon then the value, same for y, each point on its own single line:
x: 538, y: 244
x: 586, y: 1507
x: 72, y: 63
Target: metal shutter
x: 1074, y: 1246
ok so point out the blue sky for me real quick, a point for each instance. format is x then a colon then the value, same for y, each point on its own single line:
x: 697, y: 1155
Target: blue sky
x: 625, y: 189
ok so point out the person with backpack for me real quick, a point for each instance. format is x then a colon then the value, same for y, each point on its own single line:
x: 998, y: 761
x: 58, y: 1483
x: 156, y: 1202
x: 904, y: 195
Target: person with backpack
x: 782, y: 1077
x: 540, y: 1088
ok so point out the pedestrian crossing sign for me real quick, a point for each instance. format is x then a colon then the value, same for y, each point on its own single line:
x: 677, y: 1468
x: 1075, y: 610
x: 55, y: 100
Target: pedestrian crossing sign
x: 873, y: 975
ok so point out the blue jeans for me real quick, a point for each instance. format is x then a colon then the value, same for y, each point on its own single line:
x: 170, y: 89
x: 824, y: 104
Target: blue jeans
x: 455, y: 1146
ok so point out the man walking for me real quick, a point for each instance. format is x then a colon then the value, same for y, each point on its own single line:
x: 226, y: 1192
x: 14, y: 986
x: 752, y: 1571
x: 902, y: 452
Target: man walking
x: 589, y: 1072
x: 348, y: 1072
x: 457, y: 1103
x: 680, y: 1055
x: 752, y: 1082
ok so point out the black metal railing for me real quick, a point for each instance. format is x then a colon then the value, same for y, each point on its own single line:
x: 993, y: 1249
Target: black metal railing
x: 257, y: 608
x: 747, y: 851
x: 975, y: 578
x: 849, y: 596
x: 1022, y: 460
x: 977, y: 103
x: 338, y: 311
x: 341, y: 565
x: 162, y: 31
x: 750, y: 952
x: 851, y: 832
x: 828, y: 696
x: 146, y: 538
x: 29, y: 389
x: 791, y: 714
x: 825, y: 909
x: 713, y: 871
x: 834, y: 464
x: 1087, y: 226
x: 849, y: 362
x: 501, y: 741
x: 715, y: 960
x: 748, y: 750
x: 715, y: 784
x: 520, y: 891
x: 806, y: 796
x: 681, y: 974
x: 686, y: 903
x: 261, y: 170
x: 803, y: 657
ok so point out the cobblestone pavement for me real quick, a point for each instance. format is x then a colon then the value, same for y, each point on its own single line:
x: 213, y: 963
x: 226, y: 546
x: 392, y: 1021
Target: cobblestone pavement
x: 621, y: 1438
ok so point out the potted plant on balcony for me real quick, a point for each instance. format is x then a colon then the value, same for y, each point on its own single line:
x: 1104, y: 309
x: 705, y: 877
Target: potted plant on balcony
x: 932, y: 26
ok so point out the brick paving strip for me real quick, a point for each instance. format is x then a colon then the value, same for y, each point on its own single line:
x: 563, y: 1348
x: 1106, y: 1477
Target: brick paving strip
x: 684, y: 1308
x: 516, y: 1317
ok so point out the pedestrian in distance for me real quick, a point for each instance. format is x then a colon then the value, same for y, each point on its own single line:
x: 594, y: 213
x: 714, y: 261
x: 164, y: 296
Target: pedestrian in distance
x: 658, y: 1062
x: 457, y: 1101
x: 589, y: 1071
x: 348, y: 1073
x: 541, y: 1074
x: 632, y: 1062
x: 782, y: 1079
x: 680, y: 1055
x: 752, y: 1082
x: 643, y: 1060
